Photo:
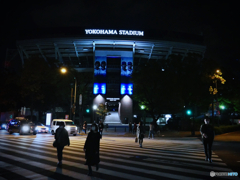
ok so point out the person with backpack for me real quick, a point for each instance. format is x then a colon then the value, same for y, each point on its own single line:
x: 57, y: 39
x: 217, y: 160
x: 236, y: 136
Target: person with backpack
x: 62, y: 139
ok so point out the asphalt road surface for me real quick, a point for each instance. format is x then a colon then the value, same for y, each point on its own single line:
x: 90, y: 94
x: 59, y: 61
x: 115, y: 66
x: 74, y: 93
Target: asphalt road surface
x: 33, y: 157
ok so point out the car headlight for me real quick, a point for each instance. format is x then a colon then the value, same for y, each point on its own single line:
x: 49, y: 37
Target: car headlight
x: 4, y: 126
x: 47, y: 128
x: 37, y: 128
x: 25, y: 128
x: 68, y: 128
x: 76, y: 128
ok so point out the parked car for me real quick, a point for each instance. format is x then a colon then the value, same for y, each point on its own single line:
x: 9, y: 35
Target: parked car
x: 3, y: 125
x: 21, y: 126
x: 69, y: 126
x: 41, y: 128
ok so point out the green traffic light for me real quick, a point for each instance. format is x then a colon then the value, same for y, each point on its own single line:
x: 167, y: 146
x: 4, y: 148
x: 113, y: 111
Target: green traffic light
x: 222, y: 107
x: 189, y: 112
x: 87, y: 110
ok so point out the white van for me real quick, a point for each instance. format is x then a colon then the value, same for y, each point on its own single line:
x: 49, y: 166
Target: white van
x: 69, y: 126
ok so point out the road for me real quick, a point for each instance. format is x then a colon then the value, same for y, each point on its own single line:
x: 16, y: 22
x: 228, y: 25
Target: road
x: 227, y: 147
x: 33, y: 157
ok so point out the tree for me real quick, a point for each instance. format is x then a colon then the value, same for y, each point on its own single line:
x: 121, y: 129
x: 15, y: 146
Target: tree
x: 102, y: 111
x: 157, y: 90
x: 168, y: 86
x: 10, y: 99
x: 42, y: 88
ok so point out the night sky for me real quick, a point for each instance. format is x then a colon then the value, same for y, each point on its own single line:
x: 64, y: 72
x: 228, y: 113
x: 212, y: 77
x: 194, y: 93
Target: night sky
x: 217, y: 21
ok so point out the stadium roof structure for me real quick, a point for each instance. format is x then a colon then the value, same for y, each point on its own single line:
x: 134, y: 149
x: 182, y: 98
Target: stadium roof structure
x: 78, y: 51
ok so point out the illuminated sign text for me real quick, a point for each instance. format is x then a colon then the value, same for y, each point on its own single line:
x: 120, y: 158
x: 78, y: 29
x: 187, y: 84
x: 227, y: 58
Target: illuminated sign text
x: 114, y: 32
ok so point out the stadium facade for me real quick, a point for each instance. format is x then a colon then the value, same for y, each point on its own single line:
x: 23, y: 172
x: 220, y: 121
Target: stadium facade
x: 111, y: 55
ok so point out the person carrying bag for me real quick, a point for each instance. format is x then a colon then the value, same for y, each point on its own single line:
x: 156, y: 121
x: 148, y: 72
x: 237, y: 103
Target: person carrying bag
x: 140, y: 133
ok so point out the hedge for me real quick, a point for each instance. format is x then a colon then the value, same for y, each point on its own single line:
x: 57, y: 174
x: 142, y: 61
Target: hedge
x: 226, y: 129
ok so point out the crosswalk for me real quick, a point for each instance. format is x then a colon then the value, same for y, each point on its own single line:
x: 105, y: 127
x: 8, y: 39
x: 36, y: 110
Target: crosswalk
x: 120, y: 158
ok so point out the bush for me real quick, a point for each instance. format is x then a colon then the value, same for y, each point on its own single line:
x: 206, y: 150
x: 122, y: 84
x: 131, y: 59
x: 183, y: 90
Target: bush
x: 226, y: 129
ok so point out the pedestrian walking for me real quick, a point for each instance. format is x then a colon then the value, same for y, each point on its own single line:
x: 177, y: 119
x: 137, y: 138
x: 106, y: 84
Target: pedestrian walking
x: 91, y: 149
x: 140, y: 133
x: 85, y: 127
x: 62, y: 140
x: 130, y: 126
x: 207, y: 133
x: 100, y: 127
x: 106, y: 127
x: 134, y: 128
x: 151, y: 127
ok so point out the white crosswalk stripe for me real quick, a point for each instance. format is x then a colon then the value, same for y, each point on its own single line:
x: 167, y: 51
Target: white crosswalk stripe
x: 121, y: 158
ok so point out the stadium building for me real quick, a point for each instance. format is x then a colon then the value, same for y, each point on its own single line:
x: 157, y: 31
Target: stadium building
x: 111, y: 55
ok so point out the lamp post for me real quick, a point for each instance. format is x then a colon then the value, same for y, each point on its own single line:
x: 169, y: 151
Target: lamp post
x: 94, y: 109
x: 190, y: 113
x: 216, y: 76
x: 144, y: 114
x: 63, y: 71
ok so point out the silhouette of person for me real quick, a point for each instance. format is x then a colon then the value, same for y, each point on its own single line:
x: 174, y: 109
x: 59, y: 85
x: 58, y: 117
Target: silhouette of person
x: 100, y: 127
x: 91, y: 149
x: 207, y: 133
x: 85, y: 127
x: 62, y: 139
x: 140, y: 133
x: 130, y: 126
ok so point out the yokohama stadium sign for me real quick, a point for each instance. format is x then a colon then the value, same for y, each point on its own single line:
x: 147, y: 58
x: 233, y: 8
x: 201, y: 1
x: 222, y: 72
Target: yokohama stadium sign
x: 114, y: 32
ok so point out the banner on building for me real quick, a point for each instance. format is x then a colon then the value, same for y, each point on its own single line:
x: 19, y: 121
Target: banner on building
x: 126, y: 66
x: 100, y: 66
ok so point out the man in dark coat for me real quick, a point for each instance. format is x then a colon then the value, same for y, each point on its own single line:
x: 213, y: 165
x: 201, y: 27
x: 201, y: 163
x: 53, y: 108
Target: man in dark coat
x: 62, y: 139
x: 130, y: 126
x: 91, y: 148
x: 207, y: 133
x: 100, y: 127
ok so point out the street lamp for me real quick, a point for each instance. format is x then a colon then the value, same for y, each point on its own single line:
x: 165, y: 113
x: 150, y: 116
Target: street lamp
x: 144, y: 114
x: 64, y: 71
x: 94, y: 109
x: 189, y: 113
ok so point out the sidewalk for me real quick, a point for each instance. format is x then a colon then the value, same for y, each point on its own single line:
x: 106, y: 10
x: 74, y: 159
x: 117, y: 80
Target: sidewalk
x: 122, y: 133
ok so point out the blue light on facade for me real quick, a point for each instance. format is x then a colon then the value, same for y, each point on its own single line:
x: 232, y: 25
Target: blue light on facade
x: 103, y: 88
x: 127, y: 89
x: 99, y: 88
x: 123, y: 89
x: 130, y: 89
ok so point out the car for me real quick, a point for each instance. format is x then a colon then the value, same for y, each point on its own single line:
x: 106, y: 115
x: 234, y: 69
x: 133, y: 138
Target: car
x: 21, y: 126
x: 69, y: 126
x: 3, y: 125
x: 41, y: 128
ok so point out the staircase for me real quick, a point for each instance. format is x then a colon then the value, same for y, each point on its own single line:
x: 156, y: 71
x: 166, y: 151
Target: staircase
x: 113, y: 119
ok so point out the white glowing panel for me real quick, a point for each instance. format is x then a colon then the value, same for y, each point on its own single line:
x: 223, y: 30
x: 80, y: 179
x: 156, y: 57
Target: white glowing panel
x: 48, y: 119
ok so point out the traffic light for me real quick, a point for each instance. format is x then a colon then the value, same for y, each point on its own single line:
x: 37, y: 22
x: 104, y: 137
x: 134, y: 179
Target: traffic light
x: 87, y: 110
x: 189, y: 112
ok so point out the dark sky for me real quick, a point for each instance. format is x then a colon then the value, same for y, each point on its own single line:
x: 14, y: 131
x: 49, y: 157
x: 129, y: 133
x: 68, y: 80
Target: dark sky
x: 217, y: 20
